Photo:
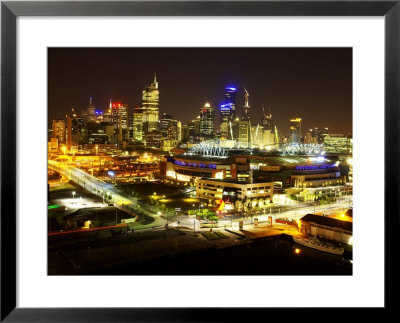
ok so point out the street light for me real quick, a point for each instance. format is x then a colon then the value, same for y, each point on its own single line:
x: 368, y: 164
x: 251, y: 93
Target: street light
x: 73, y: 195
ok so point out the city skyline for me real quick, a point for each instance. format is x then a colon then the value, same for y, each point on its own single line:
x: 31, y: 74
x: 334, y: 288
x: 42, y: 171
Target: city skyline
x: 323, y: 79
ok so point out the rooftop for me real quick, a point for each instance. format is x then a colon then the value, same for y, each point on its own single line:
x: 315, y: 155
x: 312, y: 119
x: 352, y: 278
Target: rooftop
x: 329, y: 222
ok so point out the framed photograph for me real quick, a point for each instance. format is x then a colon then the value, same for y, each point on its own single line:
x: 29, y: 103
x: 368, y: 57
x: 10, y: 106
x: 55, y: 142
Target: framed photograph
x: 198, y: 155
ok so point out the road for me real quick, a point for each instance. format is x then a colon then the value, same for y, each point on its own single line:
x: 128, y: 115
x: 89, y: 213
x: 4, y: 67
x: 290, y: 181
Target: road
x: 110, y: 194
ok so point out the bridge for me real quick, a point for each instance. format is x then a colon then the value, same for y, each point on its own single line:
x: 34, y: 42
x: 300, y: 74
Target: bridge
x: 106, y: 191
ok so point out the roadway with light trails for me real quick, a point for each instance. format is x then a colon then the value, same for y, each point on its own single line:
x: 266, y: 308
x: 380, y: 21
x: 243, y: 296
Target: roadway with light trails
x: 108, y: 192
x: 132, y: 205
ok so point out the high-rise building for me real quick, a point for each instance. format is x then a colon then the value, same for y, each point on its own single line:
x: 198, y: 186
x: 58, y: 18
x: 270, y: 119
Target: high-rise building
x: 59, y: 131
x: 324, y: 133
x: 107, y: 114
x: 227, y: 113
x: 246, y: 118
x: 120, y: 111
x: 175, y: 131
x: 230, y: 98
x: 99, y: 116
x: 91, y: 111
x: 150, y: 106
x: 108, y: 129
x: 240, y: 130
x: 153, y: 139
x: 185, y: 133
x: 206, y: 122
x: 295, y: 131
x: 138, y: 124
x: 165, y: 123
x: 309, y: 138
x: 268, y: 129
x: 194, y: 130
x: 69, y: 133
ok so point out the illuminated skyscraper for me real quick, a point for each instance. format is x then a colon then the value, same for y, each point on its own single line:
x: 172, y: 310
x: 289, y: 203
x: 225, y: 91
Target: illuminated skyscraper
x: 138, y: 124
x: 120, y: 118
x: 107, y: 115
x: 295, y: 131
x: 246, y: 118
x: 269, y: 131
x: 207, y: 122
x: 227, y: 113
x: 59, y: 131
x: 165, y: 123
x: 230, y: 98
x: 194, y: 130
x: 91, y: 111
x: 150, y: 106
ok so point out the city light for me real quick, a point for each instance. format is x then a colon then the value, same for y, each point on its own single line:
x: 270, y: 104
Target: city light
x: 218, y: 157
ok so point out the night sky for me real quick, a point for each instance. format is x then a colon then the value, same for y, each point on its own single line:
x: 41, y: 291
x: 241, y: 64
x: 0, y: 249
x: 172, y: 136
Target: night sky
x: 314, y: 84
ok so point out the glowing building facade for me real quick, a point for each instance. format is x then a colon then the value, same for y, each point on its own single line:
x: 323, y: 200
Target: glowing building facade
x: 207, y: 122
x: 295, y: 131
x: 150, y: 107
x: 120, y: 119
x: 59, y: 131
x: 137, y: 124
x: 91, y: 111
x: 227, y: 113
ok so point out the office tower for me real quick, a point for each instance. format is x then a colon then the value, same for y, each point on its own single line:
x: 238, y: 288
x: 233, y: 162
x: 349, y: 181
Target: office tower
x: 174, y: 131
x: 91, y: 111
x: 185, y: 133
x: 82, y: 130
x: 230, y: 98
x: 138, y: 124
x: 165, y: 123
x: 194, y: 130
x: 130, y: 128
x: 295, y: 131
x: 99, y: 116
x: 246, y: 117
x: 268, y: 128
x: 227, y: 113
x: 240, y: 130
x: 206, y: 122
x: 310, y: 138
x: 120, y: 111
x: 153, y: 139
x: 69, y: 133
x: 59, y: 131
x: 150, y: 106
x: 324, y: 133
x: 108, y: 129
x: 107, y: 114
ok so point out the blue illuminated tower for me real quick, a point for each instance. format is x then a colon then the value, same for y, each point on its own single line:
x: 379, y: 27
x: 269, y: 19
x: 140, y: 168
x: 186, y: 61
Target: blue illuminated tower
x: 227, y: 112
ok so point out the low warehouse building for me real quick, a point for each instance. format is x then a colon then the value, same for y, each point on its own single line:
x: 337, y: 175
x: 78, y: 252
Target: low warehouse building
x: 328, y: 228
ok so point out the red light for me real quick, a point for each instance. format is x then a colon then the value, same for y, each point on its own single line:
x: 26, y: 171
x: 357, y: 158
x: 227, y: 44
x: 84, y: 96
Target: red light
x: 85, y: 230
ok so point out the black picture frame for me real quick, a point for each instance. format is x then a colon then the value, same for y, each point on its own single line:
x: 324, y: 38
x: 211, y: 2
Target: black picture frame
x: 10, y: 10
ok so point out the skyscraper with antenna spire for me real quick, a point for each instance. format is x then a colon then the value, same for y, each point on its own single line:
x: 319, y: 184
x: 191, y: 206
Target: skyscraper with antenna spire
x: 150, y: 106
x: 246, y: 117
